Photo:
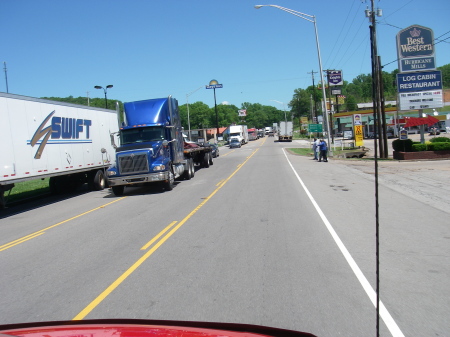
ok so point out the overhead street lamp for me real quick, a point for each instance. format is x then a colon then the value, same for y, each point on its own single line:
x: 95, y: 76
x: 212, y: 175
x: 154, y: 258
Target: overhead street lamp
x: 311, y: 18
x: 105, y: 90
x: 284, y: 108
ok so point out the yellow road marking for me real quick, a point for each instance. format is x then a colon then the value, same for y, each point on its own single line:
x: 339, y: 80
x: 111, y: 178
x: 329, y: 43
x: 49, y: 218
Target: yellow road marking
x: 42, y: 231
x: 219, y: 183
x: 91, y: 306
x: 226, y: 154
x: 158, y: 236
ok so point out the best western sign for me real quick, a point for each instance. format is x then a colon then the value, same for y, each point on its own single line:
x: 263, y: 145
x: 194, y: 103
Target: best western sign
x: 415, y: 49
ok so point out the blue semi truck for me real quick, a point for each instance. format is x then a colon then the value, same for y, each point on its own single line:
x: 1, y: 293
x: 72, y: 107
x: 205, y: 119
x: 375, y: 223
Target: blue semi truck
x: 152, y: 148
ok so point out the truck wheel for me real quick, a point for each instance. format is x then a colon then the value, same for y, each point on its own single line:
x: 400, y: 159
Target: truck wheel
x: 168, y: 185
x: 192, y: 168
x: 2, y: 199
x: 99, y: 181
x: 205, y: 161
x: 187, y: 175
x: 55, y: 185
x: 118, y: 190
x: 211, y: 162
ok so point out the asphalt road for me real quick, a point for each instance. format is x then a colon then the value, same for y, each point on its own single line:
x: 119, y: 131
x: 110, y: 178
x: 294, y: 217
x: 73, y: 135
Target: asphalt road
x: 261, y: 237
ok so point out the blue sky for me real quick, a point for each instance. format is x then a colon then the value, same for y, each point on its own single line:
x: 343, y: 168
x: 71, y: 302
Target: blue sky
x: 156, y: 48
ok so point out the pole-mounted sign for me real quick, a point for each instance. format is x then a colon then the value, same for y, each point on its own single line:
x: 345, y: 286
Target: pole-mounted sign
x: 213, y: 84
x: 335, y: 77
x: 415, y: 49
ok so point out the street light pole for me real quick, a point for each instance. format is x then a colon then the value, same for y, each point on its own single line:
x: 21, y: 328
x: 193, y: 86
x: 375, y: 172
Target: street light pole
x: 104, y: 90
x: 311, y: 18
x: 187, y: 105
x: 284, y: 108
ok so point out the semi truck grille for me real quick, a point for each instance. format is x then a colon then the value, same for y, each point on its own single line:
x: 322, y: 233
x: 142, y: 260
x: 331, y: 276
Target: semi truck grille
x: 133, y: 163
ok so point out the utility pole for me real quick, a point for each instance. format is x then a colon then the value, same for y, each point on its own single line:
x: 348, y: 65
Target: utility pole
x: 330, y: 120
x: 314, y: 110
x: 6, y: 76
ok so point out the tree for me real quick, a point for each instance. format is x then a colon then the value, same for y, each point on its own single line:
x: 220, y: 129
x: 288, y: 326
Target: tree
x: 301, y: 103
x: 445, y: 76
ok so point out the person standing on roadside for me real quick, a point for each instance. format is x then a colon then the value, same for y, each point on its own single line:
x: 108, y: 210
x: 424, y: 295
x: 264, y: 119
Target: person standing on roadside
x: 314, y: 148
x: 323, y: 150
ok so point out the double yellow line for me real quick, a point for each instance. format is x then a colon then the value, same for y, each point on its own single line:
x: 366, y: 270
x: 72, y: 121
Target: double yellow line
x: 42, y: 231
x: 141, y: 260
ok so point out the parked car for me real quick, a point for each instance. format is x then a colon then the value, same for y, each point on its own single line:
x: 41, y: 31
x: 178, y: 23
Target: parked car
x: 434, y: 131
x: 235, y: 143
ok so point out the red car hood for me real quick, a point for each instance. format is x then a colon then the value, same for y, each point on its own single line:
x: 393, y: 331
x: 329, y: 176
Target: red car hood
x: 140, y: 328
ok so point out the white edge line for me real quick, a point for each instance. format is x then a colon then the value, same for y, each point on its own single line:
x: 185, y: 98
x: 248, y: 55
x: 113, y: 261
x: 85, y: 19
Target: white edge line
x: 384, y: 313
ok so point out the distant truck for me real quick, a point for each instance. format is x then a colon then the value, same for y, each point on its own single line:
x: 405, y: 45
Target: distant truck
x: 240, y: 132
x: 285, y: 132
x: 268, y: 129
x: 253, y: 134
x: 68, y: 143
x: 152, y: 147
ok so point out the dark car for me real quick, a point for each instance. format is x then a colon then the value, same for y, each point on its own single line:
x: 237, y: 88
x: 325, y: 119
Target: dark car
x: 214, y: 150
x: 235, y: 143
x: 434, y: 131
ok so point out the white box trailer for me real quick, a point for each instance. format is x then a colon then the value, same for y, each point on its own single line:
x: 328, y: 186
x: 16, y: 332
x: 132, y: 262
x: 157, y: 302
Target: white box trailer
x: 285, y: 132
x: 69, y: 143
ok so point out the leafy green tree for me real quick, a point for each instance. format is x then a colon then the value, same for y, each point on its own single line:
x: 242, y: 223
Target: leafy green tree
x: 445, y: 75
x: 301, y: 103
x: 351, y: 103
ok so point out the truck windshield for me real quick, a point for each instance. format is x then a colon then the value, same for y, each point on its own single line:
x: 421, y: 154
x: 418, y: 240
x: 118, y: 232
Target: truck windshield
x: 141, y: 135
x: 235, y: 134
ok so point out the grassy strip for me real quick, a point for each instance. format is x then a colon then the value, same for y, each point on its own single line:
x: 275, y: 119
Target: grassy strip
x: 28, y: 189
x: 309, y: 153
x: 302, y: 151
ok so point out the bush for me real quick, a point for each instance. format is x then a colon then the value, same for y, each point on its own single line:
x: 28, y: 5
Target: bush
x: 443, y: 146
x: 419, y: 147
x: 440, y: 140
x: 402, y: 145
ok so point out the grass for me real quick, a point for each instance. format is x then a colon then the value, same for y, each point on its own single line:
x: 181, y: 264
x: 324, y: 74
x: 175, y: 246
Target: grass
x: 28, y: 189
x: 309, y: 153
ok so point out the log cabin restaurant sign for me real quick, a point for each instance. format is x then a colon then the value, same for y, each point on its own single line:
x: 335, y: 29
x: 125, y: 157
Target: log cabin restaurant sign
x: 415, y: 49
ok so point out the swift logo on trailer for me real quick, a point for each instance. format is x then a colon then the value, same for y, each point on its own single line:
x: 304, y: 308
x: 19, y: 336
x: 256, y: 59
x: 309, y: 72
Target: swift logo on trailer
x: 62, y: 130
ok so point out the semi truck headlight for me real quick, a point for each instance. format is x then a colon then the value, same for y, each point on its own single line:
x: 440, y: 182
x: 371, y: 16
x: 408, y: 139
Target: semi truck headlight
x: 111, y: 173
x: 159, y: 168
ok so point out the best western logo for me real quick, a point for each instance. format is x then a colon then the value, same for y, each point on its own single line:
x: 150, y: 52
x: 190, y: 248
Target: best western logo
x: 62, y: 130
x: 415, y: 41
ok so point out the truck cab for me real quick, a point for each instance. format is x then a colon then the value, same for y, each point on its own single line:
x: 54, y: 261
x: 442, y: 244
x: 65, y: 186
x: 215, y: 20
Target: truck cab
x: 151, y: 145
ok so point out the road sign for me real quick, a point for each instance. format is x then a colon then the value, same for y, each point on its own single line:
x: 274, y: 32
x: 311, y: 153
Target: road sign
x: 314, y: 127
x: 421, y: 81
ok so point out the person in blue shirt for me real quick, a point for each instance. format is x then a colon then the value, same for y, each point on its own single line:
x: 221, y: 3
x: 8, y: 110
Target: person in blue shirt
x: 323, y: 150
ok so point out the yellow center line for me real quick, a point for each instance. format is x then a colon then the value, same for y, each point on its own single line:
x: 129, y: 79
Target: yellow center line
x: 91, y: 306
x: 158, y: 236
x: 42, y: 231
x: 226, y: 154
